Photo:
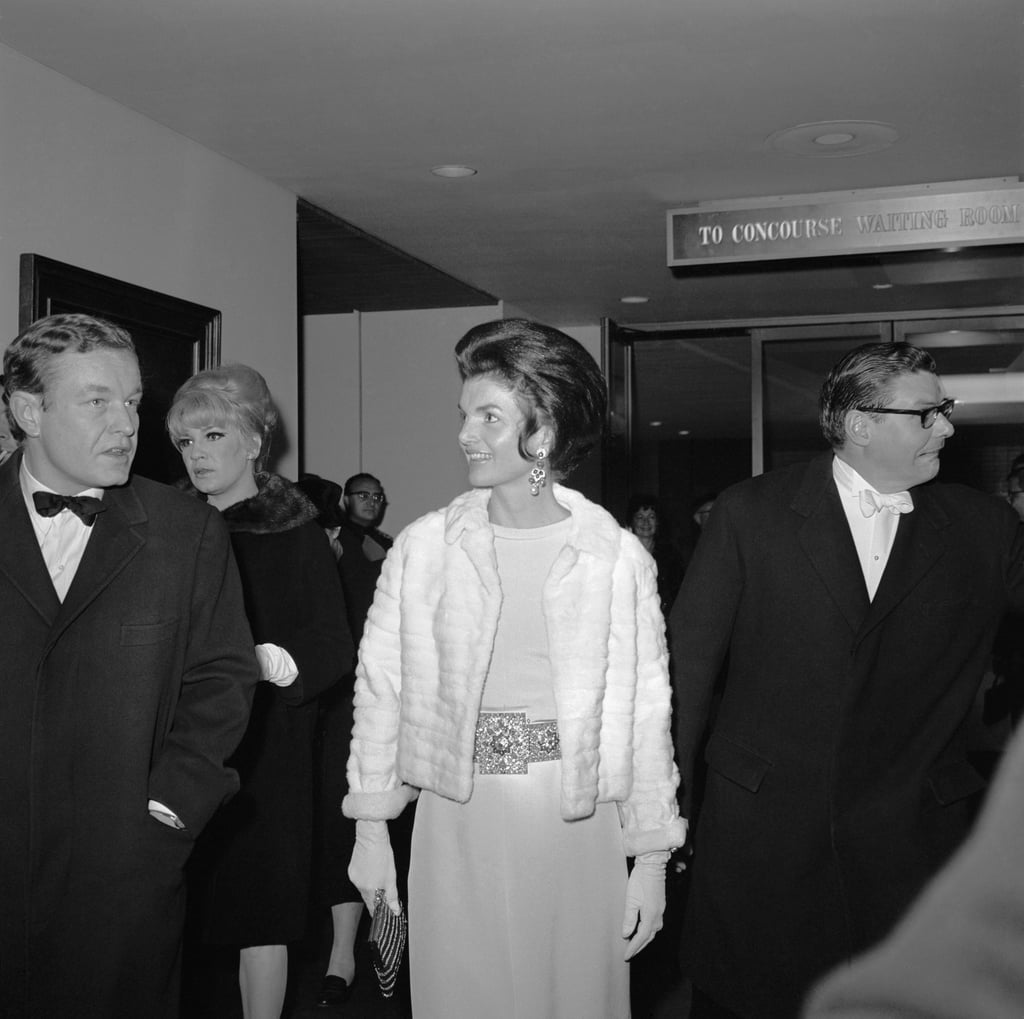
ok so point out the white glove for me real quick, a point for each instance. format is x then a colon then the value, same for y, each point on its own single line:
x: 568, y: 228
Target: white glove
x: 645, y: 901
x: 276, y: 665
x: 373, y: 864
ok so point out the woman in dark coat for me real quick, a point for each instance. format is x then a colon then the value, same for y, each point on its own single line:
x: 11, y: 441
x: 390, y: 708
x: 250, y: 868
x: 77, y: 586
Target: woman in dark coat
x: 259, y: 852
x: 644, y: 520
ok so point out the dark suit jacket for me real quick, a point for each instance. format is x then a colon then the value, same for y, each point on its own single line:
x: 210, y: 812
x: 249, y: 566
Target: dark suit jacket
x: 138, y: 686
x: 960, y: 952
x: 837, y: 772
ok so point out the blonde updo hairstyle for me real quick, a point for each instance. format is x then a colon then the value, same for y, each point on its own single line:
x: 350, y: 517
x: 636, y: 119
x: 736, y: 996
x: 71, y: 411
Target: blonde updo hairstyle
x: 231, y: 394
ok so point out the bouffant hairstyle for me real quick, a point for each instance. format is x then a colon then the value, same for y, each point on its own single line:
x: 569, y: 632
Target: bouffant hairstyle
x: 555, y: 381
x: 28, y: 361
x: 861, y: 379
x: 233, y: 394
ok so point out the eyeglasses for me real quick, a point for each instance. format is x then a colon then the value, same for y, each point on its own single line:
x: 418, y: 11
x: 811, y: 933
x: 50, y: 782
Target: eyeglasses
x: 375, y: 497
x: 926, y: 414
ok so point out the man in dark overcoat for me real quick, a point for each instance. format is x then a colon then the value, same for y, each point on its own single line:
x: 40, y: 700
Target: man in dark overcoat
x: 857, y: 604
x: 126, y: 670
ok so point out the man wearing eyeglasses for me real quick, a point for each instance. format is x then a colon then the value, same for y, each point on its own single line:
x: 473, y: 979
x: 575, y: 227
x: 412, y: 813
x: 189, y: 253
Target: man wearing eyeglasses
x: 363, y: 548
x: 364, y: 503
x: 857, y: 601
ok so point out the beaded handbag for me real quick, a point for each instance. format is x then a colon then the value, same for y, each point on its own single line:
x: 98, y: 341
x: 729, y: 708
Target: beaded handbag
x: 387, y: 942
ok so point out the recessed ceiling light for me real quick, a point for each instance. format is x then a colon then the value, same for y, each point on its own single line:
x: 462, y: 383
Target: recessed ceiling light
x: 881, y: 286
x: 834, y: 138
x: 655, y: 424
x: 634, y: 300
x: 453, y: 170
x: 684, y: 431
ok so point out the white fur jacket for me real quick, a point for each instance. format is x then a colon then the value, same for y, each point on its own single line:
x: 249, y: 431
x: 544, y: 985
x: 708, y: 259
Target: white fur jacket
x: 427, y: 646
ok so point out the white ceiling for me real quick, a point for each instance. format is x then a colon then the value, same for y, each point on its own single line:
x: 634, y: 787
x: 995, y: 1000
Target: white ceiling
x: 587, y: 120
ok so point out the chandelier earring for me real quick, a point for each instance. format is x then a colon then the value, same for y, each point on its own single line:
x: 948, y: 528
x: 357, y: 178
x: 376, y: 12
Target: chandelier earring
x: 538, y: 476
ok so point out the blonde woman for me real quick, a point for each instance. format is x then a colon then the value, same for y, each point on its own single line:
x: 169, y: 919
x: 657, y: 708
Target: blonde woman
x: 258, y: 854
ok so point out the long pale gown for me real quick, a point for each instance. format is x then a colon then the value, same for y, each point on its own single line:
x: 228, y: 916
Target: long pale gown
x: 513, y: 912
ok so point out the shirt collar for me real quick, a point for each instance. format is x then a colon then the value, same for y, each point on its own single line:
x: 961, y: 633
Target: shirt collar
x: 30, y: 483
x: 849, y: 482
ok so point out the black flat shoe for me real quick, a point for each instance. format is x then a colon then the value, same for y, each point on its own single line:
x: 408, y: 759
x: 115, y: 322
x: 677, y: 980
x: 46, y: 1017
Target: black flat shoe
x: 333, y: 991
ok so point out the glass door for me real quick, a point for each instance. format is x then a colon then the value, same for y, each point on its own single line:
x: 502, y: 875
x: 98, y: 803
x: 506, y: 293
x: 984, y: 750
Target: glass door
x: 697, y: 408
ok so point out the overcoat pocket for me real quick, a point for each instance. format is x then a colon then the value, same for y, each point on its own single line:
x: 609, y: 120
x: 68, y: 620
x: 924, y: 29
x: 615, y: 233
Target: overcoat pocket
x: 953, y: 781
x: 736, y: 762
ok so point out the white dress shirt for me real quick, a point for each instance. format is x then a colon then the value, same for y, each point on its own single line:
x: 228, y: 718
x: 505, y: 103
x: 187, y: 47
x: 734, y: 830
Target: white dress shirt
x: 873, y: 536
x: 62, y: 538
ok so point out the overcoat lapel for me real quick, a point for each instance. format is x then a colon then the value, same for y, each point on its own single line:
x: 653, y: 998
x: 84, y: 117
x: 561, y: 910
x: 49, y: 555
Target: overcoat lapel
x: 21, y: 562
x: 826, y: 539
x: 921, y: 541
x: 117, y: 536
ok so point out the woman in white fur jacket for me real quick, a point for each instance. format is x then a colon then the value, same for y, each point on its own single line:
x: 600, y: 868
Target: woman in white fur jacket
x: 514, y: 675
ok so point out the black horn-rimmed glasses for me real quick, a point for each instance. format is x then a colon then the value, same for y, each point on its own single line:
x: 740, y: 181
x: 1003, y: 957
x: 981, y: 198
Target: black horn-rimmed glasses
x: 926, y: 414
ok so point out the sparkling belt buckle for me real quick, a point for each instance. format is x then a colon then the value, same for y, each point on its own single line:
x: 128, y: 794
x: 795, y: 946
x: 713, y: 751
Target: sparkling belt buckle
x: 507, y: 743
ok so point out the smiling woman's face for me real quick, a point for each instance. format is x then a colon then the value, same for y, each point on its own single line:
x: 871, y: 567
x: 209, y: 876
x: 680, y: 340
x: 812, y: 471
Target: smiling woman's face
x: 645, y: 522
x: 492, y: 423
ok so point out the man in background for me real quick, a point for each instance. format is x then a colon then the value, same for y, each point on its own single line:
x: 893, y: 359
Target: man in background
x: 363, y: 547
x: 364, y: 504
x: 857, y: 603
x: 127, y: 670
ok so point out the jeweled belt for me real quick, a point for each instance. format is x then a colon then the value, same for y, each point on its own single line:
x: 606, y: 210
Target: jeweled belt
x: 507, y: 742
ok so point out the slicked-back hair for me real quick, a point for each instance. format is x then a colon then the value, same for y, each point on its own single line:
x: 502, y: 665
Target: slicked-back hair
x: 361, y: 476
x: 555, y: 381
x: 28, y: 360
x: 862, y: 379
x: 232, y: 394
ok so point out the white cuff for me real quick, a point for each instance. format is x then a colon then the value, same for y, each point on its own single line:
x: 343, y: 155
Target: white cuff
x: 165, y: 815
x: 276, y: 665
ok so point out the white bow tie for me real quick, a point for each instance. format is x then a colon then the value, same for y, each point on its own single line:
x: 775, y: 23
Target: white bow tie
x: 874, y: 502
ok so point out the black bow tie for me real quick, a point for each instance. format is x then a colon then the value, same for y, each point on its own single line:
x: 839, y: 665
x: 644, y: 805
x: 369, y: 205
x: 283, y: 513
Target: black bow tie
x: 49, y: 504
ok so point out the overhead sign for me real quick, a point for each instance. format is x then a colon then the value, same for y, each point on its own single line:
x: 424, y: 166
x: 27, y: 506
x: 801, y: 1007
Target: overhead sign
x: 734, y: 232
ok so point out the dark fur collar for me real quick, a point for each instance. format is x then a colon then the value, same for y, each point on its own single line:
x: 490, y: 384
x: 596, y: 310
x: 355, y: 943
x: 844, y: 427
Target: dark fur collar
x: 279, y: 506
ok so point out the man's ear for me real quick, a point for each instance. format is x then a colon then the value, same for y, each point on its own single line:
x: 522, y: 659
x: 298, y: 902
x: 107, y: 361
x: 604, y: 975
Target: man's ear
x: 857, y: 427
x: 26, y: 409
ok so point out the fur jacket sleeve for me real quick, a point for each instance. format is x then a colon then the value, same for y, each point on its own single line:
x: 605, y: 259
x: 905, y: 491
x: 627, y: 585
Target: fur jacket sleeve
x: 425, y: 654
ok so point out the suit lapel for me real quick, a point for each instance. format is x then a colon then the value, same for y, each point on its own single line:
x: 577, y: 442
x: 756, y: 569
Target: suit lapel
x: 21, y: 562
x: 826, y: 539
x: 118, y: 534
x: 921, y: 541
